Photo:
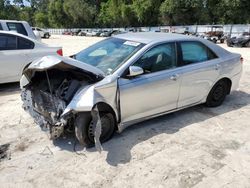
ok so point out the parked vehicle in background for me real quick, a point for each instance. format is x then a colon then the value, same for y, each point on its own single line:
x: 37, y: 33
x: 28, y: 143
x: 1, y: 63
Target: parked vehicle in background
x: 110, y: 33
x: 82, y: 33
x: 42, y: 32
x: 93, y: 33
x: 75, y: 33
x: 117, y: 32
x: 242, y: 40
x: 17, y: 52
x: 67, y: 33
x: 21, y: 27
x: 106, y: 33
x: 216, y: 34
x: 126, y: 79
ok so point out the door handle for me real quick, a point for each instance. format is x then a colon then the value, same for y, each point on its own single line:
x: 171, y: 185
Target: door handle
x: 174, y: 77
x: 217, y: 67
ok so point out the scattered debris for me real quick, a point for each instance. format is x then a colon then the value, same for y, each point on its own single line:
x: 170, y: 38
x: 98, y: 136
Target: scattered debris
x: 4, y: 154
x: 47, y: 151
x: 74, y: 148
x: 21, y: 146
x: 98, y: 129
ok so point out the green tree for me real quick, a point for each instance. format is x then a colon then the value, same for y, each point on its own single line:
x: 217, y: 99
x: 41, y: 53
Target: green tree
x: 182, y: 12
x: 27, y: 14
x: 41, y: 19
x: 80, y: 12
x: 147, y: 11
x: 57, y: 16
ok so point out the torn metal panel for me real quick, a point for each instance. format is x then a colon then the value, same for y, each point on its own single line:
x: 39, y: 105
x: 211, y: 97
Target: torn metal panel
x: 98, y: 128
x: 4, y: 151
x: 53, y: 91
x: 28, y: 106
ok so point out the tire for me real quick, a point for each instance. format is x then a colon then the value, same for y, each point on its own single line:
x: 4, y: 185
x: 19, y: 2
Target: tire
x: 46, y: 36
x: 84, y: 129
x: 217, y: 94
x: 214, y: 41
x: 221, y: 41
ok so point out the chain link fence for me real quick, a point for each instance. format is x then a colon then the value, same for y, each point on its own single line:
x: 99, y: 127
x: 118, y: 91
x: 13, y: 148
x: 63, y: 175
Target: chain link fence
x: 231, y: 30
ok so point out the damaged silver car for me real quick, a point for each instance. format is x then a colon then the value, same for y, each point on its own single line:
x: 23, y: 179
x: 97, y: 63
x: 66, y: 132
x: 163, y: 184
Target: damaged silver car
x: 126, y: 79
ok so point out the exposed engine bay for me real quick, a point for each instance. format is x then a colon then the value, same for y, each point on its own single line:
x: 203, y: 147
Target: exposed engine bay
x: 50, y: 91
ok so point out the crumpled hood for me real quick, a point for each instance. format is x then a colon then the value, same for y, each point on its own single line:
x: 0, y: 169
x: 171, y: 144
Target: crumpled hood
x: 48, y: 62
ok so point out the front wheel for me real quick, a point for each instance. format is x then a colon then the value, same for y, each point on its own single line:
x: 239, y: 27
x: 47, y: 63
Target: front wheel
x: 85, y: 128
x: 217, y: 94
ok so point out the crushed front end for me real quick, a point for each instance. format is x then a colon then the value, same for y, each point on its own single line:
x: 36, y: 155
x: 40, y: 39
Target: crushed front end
x: 47, y: 91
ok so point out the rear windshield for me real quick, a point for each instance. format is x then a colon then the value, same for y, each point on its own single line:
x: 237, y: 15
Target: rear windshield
x: 18, y: 27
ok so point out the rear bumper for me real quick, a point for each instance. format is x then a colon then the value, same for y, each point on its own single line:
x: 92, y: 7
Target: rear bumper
x: 236, y: 81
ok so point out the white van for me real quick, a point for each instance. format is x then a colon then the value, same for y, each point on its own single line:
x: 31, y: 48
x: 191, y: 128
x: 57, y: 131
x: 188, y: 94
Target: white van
x: 21, y: 27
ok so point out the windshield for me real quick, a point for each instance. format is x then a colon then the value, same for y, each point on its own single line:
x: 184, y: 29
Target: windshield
x: 108, y: 54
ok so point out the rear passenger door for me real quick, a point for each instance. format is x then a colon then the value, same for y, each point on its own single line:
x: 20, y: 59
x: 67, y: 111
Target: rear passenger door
x: 199, y: 70
x: 13, y: 56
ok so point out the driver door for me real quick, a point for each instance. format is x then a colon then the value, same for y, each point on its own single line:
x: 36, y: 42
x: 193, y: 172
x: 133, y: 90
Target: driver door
x: 156, y: 90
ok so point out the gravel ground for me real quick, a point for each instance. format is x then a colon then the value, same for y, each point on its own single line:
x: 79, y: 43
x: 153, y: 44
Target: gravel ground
x: 195, y: 147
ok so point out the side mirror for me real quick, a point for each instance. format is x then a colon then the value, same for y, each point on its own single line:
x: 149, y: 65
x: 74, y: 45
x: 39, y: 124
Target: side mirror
x: 135, y: 71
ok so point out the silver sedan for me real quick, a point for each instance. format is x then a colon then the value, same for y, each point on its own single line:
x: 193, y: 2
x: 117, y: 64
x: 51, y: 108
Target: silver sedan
x: 126, y: 79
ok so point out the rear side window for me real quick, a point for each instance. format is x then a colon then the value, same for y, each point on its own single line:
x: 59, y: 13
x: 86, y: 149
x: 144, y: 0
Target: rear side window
x: 8, y: 42
x: 195, y: 52
x: 24, y: 44
x: 18, y: 27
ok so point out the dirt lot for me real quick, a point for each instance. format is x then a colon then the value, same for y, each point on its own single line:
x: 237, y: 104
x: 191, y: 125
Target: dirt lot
x: 196, y: 147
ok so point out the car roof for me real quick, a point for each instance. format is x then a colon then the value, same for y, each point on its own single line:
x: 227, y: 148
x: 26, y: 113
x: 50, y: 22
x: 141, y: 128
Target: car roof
x: 16, y: 21
x: 149, y: 37
x: 156, y: 37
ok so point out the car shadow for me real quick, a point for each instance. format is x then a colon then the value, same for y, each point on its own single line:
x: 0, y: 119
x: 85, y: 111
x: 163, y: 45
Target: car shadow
x: 120, y: 146
x: 6, y: 89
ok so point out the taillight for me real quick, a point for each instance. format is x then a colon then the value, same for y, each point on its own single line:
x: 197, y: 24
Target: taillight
x: 241, y: 59
x: 59, y: 52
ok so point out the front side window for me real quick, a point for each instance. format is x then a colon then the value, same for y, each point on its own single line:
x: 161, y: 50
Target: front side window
x: 109, y: 54
x: 195, y: 52
x: 18, y: 27
x: 159, y: 58
x: 25, y: 44
x: 7, y: 42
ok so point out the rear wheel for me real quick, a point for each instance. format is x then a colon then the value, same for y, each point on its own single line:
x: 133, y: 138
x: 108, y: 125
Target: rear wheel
x: 85, y: 128
x: 217, y: 94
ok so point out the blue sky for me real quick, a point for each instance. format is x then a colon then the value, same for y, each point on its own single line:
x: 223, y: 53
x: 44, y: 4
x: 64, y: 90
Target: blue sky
x: 26, y: 3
